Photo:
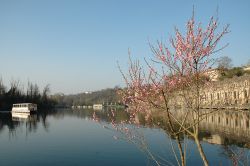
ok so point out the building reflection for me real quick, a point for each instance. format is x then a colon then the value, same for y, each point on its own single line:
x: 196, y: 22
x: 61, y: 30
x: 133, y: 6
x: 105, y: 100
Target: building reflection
x: 227, y: 127
x: 224, y: 127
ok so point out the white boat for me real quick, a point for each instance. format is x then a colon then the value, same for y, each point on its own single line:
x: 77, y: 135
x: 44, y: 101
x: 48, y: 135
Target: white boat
x: 97, y: 106
x: 24, y: 107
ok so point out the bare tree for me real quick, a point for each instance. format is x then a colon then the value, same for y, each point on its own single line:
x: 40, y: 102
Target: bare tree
x: 248, y: 63
x: 46, y: 91
x: 224, y: 62
x: 2, y: 87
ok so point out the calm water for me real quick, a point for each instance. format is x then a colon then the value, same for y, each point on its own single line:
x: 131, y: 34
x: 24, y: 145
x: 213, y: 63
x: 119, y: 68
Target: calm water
x: 71, y: 137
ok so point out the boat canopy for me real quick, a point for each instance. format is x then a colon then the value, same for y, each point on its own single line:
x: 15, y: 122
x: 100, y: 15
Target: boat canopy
x: 24, y: 105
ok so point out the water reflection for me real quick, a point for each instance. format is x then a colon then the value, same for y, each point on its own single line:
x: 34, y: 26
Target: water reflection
x: 14, y: 121
x: 229, y: 128
x: 27, y: 117
x: 225, y: 127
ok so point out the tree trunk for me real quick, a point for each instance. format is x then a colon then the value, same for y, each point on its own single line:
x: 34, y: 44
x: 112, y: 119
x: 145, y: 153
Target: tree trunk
x: 181, y: 150
x: 202, y: 154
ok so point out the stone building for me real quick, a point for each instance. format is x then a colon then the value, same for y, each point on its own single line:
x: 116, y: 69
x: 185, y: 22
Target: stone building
x: 229, y: 93
x: 213, y: 74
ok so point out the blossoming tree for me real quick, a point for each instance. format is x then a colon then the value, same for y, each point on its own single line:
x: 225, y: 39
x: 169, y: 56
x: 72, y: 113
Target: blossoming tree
x: 175, y: 77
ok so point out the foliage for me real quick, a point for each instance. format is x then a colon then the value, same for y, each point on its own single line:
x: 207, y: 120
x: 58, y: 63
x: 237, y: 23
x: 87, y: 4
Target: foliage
x: 98, y: 97
x: 234, y: 72
x: 17, y: 95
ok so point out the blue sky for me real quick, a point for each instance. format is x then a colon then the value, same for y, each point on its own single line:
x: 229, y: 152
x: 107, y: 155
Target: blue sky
x: 74, y: 45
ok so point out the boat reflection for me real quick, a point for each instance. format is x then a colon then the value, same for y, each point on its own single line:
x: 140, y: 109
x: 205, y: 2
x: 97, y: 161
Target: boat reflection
x: 23, y: 116
x: 225, y: 127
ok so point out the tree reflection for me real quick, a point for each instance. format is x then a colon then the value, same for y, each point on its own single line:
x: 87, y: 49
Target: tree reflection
x: 224, y: 127
x: 237, y: 156
x: 219, y: 128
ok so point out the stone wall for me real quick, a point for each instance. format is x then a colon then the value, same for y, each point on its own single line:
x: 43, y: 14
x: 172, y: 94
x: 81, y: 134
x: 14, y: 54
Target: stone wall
x: 229, y: 93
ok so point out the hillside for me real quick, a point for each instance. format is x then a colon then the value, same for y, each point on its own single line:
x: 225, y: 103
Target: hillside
x: 105, y: 95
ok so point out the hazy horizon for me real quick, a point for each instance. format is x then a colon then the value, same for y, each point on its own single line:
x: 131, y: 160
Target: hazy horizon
x: 74, y: 45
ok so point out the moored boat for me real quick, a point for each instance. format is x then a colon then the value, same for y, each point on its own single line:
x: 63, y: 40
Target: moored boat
x: 24, y: 107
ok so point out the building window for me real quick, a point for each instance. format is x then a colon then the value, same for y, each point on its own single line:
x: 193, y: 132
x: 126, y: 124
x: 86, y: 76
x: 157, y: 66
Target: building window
x: 245, y: 93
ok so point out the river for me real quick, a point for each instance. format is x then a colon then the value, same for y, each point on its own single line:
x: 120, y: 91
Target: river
x: 71, y: 137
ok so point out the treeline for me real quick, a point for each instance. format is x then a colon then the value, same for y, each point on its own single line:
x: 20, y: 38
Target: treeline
x: 234, y: 72
x: 98, y: 97
x: 17, y: 94
x: 227, y: 70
